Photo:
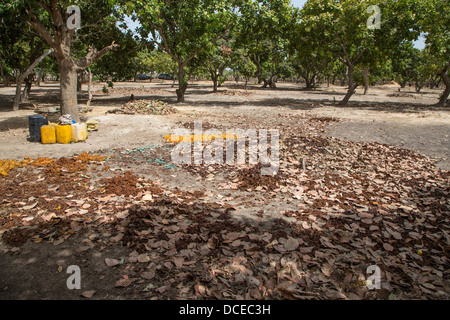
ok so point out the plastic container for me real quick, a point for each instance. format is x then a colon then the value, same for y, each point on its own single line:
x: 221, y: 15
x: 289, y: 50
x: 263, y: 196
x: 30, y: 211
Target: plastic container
x: 48, y: 134
x: 92, y: 125
x: 35, y: 123
x: 64, y: 134
x: 79, y: 132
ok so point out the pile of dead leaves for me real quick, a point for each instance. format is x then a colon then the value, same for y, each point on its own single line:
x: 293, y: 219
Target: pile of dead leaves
x: 53, y: 230
x: 234, y: 93
x: 129, y: 91
x: 145, y: 107
x: 199, y: 251
x: 125, y: 185
x: 335, y: 208
x: 71, y: 165
x: 251, y: 179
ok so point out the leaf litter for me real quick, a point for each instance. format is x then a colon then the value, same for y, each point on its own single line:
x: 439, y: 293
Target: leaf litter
x: 354, y: 205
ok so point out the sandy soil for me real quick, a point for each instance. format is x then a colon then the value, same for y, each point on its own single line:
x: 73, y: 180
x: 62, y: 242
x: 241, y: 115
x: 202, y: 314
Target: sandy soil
x: 384, y: 116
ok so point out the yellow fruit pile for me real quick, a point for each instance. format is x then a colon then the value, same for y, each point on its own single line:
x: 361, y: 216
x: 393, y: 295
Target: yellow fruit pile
x: 200, y: 137
x: 7, y: 165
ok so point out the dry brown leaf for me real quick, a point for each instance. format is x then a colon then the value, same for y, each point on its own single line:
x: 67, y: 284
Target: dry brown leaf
x: 148, y: 275
x: 111, y: 262
x: 143, y: 258
x: 88, y: 294
x: 291, y: 244
x: 178, y: 261
x: 124, y: 282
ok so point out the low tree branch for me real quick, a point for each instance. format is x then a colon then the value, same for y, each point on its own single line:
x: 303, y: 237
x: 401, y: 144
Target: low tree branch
x: 25, y: 74
x: 93, y: 55
x: 42, y: 31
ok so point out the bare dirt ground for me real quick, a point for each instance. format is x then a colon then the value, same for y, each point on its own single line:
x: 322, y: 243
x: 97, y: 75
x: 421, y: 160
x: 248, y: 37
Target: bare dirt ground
x: 384, y: 115
x: 358, y: 185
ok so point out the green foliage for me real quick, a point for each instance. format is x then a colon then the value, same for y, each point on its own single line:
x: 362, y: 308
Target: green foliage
x: 241, y: 62
x: 435, y: 23
x: 263, y: 39
x: 261, y: 30
x: 184, y: 28
x: 405, y: 62
x: 19, y: 47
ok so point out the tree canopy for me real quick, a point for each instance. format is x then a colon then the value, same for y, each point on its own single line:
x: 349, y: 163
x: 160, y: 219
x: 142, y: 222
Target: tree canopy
x: 354, y: 40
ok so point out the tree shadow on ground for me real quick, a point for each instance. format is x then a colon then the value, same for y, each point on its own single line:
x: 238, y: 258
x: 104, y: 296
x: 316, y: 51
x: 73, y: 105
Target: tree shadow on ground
x: 261, y: 88
x: 13, y: 123
x: 45, y: 96
x: 309, y: 104
x: 22, y: 122
x: 6, y: 103
x: 209, y: 226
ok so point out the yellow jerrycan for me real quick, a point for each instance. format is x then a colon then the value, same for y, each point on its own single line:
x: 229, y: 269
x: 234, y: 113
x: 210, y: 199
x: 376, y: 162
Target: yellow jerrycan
x: 48, y: 134
x: 64, y: 134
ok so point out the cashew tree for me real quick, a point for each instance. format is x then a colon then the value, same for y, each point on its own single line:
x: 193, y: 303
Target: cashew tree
x: 262, y: 32
x: 184, y: 28
x: 63, y: 23
x: 435, y: 23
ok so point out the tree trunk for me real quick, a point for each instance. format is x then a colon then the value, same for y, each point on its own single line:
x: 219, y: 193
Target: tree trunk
x: 259, y: 71
x: 419, y: 86
x: 403, y: 85
x: 26, y: 91
x: 173, y: 82
x: 214, y: 78
x: 80, y: 82
x: 22, y: 77
x: 68, y: 84
x: 273, y: 81
x: 182, y: 85
x: 39, y: 77
x: 309, y: 83
x: 445, y: 78
x: 215, y: 83
x: 89, y: 88
x: 220, y: 78
x: 2, y: 75
x: 344, y: 78
x: 366, y: 80
x: 18, y: 96
x: 351, y: 86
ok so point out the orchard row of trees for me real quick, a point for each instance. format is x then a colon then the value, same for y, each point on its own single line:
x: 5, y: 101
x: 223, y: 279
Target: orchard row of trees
x: 265, y: 39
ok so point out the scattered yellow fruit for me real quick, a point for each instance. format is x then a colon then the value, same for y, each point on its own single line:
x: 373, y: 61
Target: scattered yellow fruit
x: 199, y: 138
x: 419, y: 252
